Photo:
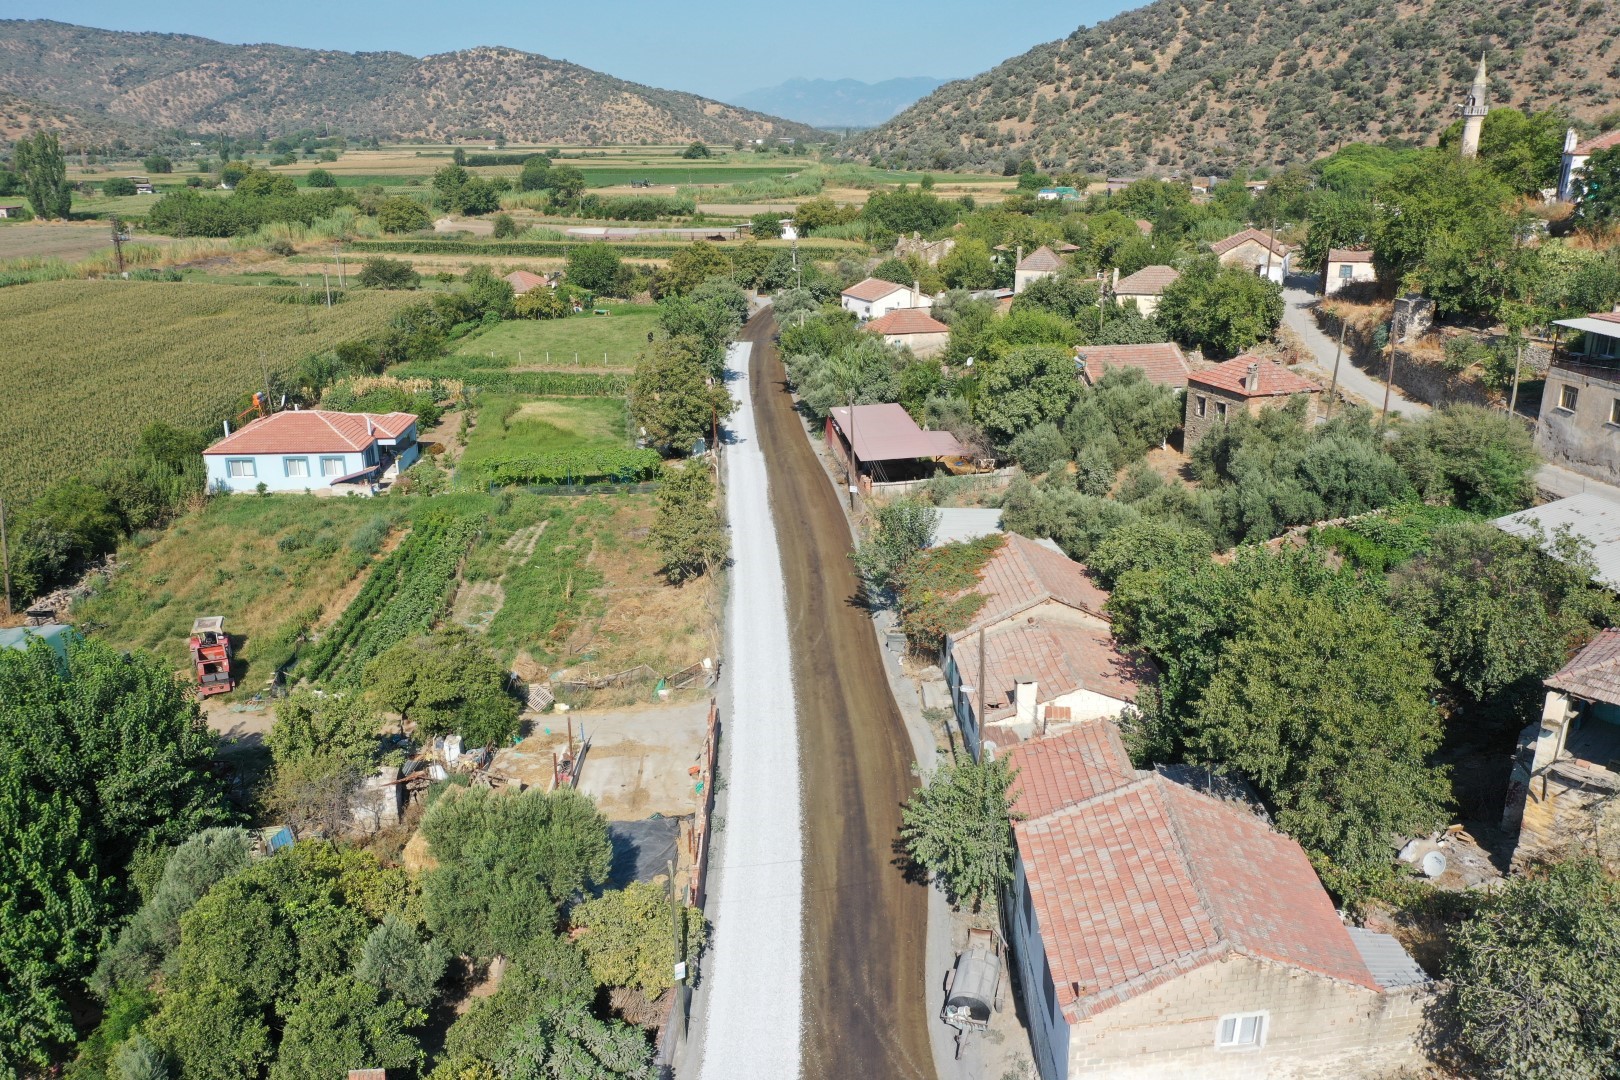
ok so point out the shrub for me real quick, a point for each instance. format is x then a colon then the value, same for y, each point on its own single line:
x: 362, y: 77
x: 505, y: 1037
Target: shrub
x: 381, y: 273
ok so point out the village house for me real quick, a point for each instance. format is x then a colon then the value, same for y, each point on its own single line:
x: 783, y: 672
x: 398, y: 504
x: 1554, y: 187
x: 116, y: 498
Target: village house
x: 1566, y: 773
x: 1061, y: 193
x: 874, y: 298
x: 1243, y: 384
x: 1576, y: 153
x: 1145, y: 287
x: 881, y: 444
x: 929, y: 251
x: 1580, y: 402
x: 1162, y: 362
x: 1345, y: 267
x: 1039, y: 654
x: 914, y: 328
x: 522, y: 281
x: 313, y: 450
x: 1160, y: 932
x: 1592, y: 517
x: 1040, y: 263
x: 143, y: 186
x: 12, y: 210
x: 1255, y: 251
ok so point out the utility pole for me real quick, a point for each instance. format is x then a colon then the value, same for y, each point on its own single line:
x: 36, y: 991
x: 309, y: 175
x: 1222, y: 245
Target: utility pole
x: 5, y: 554
x: 326, y: 277
x: 119, y: 239
x: 1518, y: 362
x: 1389, y: 377
x: 1338, y: 353
x: 854, y: 469
x: 337, y: 249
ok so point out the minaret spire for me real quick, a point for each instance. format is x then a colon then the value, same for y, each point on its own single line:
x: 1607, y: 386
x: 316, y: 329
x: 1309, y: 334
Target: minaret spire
x: 1474, y: 111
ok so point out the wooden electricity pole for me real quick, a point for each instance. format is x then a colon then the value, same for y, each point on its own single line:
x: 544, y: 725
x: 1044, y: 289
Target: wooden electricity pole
x: 1337, y: 355
x: 5, y: 554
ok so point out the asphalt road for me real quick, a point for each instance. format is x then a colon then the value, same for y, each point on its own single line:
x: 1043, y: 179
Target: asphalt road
x: 865, y: 925
x: 1297, y: 304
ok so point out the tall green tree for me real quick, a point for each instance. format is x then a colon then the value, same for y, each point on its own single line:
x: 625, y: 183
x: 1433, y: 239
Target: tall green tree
x: 39, y: 162
x: 1535, y: 976
x: 626, y: 936
x: 446, y: 682
x: 1221, y: 309
x: 674, y: 397
x: 1326, y: 706
x: 958, y: 826
x: 1600, y: 205
x: 688, y: 532
x: 595, y: 267
x: 1026, y: 386
x: 1477, y: 459
x: 506, y: 863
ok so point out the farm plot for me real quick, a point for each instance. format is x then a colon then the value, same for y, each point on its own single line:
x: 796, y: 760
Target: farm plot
x: 580, y: 342
x: 86, y: 365
x: 552, y: 441
x: 273, y: 567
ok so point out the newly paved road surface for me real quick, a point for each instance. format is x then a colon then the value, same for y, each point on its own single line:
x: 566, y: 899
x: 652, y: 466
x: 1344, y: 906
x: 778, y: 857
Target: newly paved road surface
x: 865, y: 997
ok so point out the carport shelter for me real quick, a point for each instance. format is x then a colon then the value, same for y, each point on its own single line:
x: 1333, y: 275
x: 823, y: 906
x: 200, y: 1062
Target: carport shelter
x: 886, y: 444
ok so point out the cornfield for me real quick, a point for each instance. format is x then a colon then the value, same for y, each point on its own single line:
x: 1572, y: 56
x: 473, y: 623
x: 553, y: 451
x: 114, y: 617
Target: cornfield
x: 86, y: 365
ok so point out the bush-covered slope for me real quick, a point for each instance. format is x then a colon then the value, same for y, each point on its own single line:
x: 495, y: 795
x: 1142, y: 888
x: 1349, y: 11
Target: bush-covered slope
x: 1206, y: 85
x: 176, y: 81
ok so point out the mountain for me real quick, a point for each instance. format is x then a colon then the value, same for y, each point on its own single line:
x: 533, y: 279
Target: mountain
x: 837, y: 103
x: 20, y: 117
x: 176, y: 81
x: 1209, y: 85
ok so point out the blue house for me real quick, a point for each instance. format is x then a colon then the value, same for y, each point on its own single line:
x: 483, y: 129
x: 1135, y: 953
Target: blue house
x: 314, y: 450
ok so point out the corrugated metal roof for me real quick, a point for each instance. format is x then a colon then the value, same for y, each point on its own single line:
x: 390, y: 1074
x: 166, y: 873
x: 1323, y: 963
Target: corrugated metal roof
x: 1592, y: 516
x: 1386, y: 959
x: 1591, y: 324
x: 958, y: 525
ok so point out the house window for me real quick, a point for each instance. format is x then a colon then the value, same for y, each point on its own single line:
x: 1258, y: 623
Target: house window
x: 1346, y: 271
x: 1614, y: 410
x: 1567, y: 396
x: 1220, y: 409
x: 1240, y: 1030
x: 1201, y: 406
x: 239, y: 467
x: 296, y: 466
x: 331, y: 466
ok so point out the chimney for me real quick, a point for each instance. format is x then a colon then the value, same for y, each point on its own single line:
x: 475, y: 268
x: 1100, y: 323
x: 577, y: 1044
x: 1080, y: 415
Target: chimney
x: 1116, y: 279
x: 1251, y: 379
x: 916, y: 293
x: 1020, y: 255
x: 227, y: 425
x: 1025, y: 690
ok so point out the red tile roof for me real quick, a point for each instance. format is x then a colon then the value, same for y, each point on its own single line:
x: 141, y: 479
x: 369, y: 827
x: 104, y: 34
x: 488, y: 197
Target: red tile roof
x: 1238, y: 239
x: 1060, y: 657
x: 1349, y: 255
x: 1022, y: 574
x: 522, y: 281
x: 1042, y: 258
x: 888, y: 433
x: 1148, y: 281
x: 313, y: 431
x: 1272, y: 378
x: 1601, y: 142
x: 1162, y: 362
x: 1135, y: 879
x: 1594, y: 673
x: 872, y: 289
x: 903, y: 321
x: 1606, y: 316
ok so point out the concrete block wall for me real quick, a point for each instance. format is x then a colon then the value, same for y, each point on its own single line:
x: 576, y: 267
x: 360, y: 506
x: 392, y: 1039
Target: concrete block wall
x: 1582, y: 439
x: 1316, y: 1029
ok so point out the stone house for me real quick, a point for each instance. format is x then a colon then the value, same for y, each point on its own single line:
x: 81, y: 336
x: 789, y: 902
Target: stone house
x: 1567, y: 769
x: 929, y: 251
x: 1162, y: 362
x: 1580, y: 404
x: 1346, y: 267
x: 1243, y: 384
x: 914, y: 328
x: 1145, y: 287
x: 1042, y: 262
x: 1255, y: 251
x: 1039, y: 654
x: 1160, y: 932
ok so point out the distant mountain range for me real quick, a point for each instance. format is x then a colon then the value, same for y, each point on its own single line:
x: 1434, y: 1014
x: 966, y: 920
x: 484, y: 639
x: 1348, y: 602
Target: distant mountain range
x: 837, y: 103
x: 1211, y: 85
x: 81, y: 80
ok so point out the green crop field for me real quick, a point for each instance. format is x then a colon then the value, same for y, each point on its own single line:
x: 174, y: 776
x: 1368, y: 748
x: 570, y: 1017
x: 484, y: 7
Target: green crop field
x: 598, y: 341
x: 509, y: 427
x: 86, y: 365
x: 599, y: 176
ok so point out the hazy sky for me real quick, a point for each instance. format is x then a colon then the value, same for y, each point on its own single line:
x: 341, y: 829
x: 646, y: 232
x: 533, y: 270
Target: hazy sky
x: 704, y: 46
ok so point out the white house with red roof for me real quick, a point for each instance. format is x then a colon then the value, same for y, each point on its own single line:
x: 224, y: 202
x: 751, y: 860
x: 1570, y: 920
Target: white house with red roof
x: 1571, y: 186
x: 874, y: 298
x: 1161, y: 932
x: 1039, y: 653
x: 1346, y: 267
x: 313, y: 450
x: 1255, y: 251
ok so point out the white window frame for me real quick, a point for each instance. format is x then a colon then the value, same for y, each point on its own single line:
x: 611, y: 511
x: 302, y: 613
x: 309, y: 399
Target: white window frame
x: 287, y: 468
x: 251, y: 472
x: 338, y: 462
x: 1569, y: 396
x: 1201, y: 405
x: 1261, y: 1020
x: 1220, y: 409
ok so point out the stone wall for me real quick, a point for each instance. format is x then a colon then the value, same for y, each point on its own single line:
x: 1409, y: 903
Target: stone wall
x: 1413, y: 316
x: 1316, y: 1028
x: 1422, y: 380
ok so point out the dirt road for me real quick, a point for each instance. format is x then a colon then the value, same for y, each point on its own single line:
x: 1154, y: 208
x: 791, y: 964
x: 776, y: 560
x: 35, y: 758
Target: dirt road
x: 865, y: 1000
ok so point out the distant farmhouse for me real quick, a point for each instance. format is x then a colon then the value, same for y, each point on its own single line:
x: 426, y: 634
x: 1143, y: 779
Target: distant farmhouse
x: 873, y: 298
x: 1576, y: 153
x: 1040, y: 263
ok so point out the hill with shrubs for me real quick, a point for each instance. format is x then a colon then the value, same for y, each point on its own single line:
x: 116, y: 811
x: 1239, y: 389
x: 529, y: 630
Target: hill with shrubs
x: 1215, y: 85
